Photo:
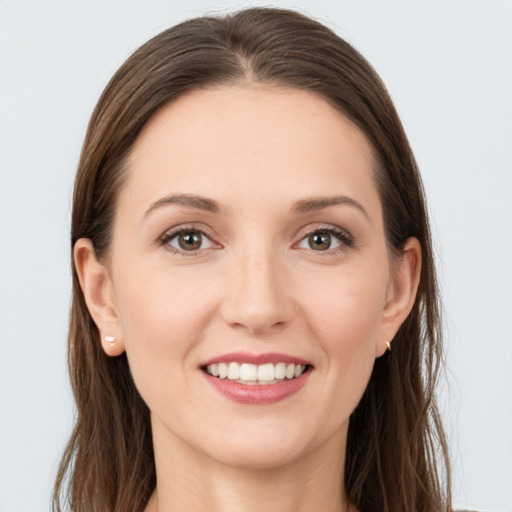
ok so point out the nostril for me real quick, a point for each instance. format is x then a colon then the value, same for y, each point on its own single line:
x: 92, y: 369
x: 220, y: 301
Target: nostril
x: 255, y: 299
x: 260, y: 325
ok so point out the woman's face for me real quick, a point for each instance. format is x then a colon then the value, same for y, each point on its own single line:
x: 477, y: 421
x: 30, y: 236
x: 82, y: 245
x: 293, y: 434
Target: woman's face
x: 249, y: 237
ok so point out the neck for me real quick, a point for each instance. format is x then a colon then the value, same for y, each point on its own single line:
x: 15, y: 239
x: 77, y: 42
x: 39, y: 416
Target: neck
x: 194, y: 482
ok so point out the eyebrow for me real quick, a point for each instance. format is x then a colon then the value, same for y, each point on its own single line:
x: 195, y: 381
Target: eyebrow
x: 319, y: 203
x: 187, y: 200
x: 212, y: 206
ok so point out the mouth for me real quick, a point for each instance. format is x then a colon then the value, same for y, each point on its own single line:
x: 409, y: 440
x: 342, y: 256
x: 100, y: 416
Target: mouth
x: 256, y: 374
x: 257, y: 379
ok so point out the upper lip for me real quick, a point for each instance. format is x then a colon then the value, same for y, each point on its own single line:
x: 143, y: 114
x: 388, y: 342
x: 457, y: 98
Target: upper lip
x: 257, y: 359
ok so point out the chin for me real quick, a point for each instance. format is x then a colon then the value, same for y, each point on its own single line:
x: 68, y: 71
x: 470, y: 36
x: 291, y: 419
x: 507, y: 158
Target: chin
x: 260, y: 457
x: 267, y: 448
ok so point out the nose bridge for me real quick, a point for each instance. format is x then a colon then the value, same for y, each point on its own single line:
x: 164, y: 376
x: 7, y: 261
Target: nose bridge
x: 256, y: 297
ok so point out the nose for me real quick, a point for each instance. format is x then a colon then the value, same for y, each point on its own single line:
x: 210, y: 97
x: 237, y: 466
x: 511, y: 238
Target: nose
x: 257, y: 294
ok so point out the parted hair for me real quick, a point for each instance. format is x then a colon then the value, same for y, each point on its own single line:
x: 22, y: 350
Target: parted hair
x: 396, y: 456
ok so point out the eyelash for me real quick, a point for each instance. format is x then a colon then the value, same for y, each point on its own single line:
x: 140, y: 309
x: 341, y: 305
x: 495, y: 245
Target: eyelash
x: 170, y: 235
x: 345, y: 239
x: 343, y: 236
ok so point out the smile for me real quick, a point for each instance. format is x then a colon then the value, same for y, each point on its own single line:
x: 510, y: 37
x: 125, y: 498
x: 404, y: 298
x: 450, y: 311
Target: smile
x: 252, y: 374
x: 256, y: 379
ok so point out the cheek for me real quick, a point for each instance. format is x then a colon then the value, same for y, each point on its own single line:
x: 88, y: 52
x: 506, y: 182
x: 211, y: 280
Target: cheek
x: 163, y: 317
x: 157, y: 305
x: 344, y: 316
x: 345, y: 308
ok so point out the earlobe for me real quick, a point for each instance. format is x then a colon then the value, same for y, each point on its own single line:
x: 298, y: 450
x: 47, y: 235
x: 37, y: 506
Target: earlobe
x: 402, y: 291
x: 96, y: 285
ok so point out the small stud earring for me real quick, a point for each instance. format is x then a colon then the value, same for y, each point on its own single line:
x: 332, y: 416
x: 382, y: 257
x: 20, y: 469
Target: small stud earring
x: 110, y: 339
x: 388, y: 345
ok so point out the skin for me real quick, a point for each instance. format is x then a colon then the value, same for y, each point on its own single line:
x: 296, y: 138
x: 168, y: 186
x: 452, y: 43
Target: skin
x: 255, y: 285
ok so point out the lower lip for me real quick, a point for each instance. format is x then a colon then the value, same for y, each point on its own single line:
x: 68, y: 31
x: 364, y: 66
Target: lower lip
x: 257, y: 394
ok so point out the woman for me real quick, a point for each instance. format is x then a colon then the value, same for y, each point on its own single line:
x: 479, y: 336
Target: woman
x: 250, y: 240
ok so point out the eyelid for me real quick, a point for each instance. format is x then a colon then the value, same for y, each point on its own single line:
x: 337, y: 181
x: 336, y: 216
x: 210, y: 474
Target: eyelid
x: 341, y: 234
x: 345, y: 238
x: 171, y: 233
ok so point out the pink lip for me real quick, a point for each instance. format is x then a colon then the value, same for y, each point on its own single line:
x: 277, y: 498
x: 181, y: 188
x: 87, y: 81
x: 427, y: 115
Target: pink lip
x: 243, y: 357
x: 257, y: 394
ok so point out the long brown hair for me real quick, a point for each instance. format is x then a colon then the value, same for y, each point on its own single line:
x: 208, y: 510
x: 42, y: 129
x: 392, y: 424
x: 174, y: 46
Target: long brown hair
x: 396, y: 459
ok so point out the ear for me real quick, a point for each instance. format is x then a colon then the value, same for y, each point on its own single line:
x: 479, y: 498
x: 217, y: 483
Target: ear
x: 99, y: 296
x: 403, y: 286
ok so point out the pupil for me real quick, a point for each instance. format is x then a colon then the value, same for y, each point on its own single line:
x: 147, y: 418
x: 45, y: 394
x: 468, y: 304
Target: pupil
x: 190, y: 241
x: 320, y: 241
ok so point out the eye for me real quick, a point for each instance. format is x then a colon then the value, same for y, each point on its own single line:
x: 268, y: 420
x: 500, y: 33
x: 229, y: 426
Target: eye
x: 325, y: 239
x: 187, y: 240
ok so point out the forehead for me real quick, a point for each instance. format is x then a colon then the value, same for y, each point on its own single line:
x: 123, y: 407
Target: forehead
x: 253, y: 140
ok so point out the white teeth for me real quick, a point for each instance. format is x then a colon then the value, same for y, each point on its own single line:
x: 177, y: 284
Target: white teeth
x: 223, y: 370
x: 246, y: 373
x: 280, y: 371
x: 233, y: 371
x: 266, y: 372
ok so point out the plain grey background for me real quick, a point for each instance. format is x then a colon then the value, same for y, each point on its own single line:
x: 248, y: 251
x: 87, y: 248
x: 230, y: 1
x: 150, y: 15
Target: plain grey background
x: 448, y: 66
